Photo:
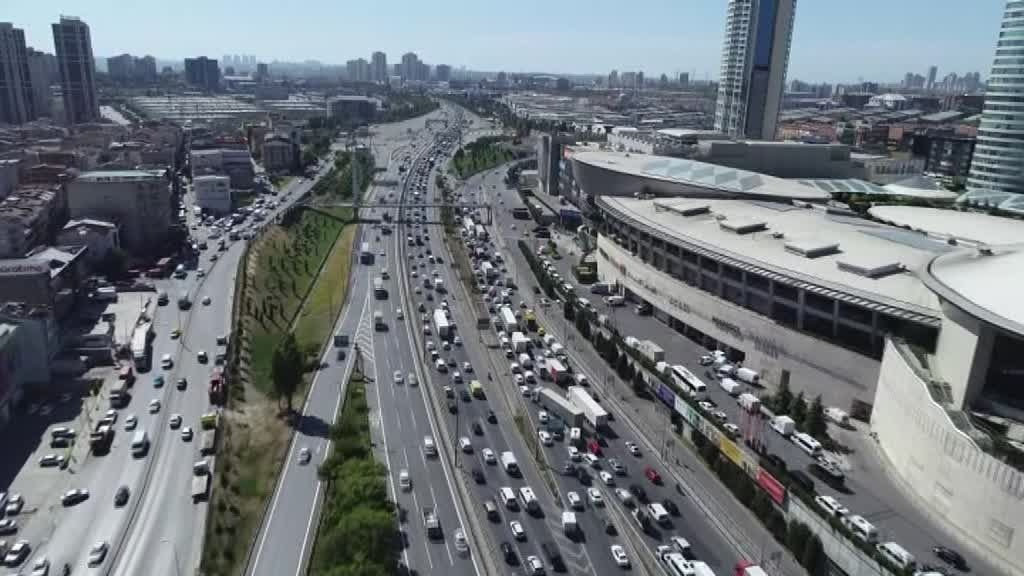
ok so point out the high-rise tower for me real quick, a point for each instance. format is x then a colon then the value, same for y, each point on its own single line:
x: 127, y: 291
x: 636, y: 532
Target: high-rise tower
x: 77, y: 69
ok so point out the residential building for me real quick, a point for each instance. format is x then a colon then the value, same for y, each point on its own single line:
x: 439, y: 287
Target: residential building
x: 77, y: 67
x: 47, y: 277
x: 410, y: 66
x: 13, y: 350
x: 203, y: 72
x: 755, y: 55
x: 138, y: 201
x: 882, y: 169
x: 358, y: 70
x: 213, y: 193
x: 26, y: 218
x: 17, y: 105
x: 42, y: 69
x: 144, y: 68
x: 443, y: 72
x: 379, y: 67
x: 945, y: 153
x: 359, y: 108
x: 9, y: 169
x: 262, y: 71
x: 932, y: 71
x: 999, y: 154
x: 98, y: 236
x: 236, y: 163
x: 121, y: 68
x: 279, y: 153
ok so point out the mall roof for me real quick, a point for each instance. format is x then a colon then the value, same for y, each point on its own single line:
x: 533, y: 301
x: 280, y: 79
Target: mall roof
x: 1005, y: 201
x: 984, y: 283
x: 699, y: 174
x: 968, y: 226
x: 850, y: 259
x: 911, y: 188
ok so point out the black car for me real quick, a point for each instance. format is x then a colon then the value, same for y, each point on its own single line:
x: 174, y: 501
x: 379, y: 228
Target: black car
x: 803, y: 481
x: 568, y: 468
x: 453, y: 407
x: 464, y: 394
x: 478, y: 429
x: 583, y: 476
x: 510, y: 554
x: 553, y: 555
x: 60, y: 442
x: 638, y: 492
x: 609, y: 527
x: 478, y: 475
x: 671, y: 507
x: 121, y: 496
x: 951, y: 557
x: 182, y: 383
x: 828, y: 471
x: 492, y: 417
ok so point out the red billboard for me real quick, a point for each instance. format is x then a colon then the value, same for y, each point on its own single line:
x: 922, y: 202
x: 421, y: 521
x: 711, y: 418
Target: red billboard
x: 773, y: 487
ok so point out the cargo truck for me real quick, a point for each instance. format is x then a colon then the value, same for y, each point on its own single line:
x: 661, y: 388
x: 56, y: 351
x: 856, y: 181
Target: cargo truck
x: 749, y: 376
x: 200, y: 487
x: 784, y: 425
x: 208, y: 442
x: 559, y: 406
x: 508, y: 320
x: 569, y: 524
x: 744, y: 568
x: 520, y: 342
x: 441, y: 324
x: 431, y: 523
x: 651, y: 351
x: 592, y: 411
x: 731, y: 387
x: 555, y: 371
x: 749, y: 402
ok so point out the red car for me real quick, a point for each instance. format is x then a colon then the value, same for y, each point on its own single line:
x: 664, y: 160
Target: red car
x: 593, y: 447
x: 652, y: 475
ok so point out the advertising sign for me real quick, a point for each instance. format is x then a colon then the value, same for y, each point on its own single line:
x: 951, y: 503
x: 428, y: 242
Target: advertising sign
x: 776, y: 491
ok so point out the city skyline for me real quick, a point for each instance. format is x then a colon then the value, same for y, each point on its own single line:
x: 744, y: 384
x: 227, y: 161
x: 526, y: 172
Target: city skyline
x: 686, y: 40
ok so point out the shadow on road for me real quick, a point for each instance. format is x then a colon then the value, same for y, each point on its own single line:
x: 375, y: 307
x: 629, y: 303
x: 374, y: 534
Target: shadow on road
x: 312, y: 426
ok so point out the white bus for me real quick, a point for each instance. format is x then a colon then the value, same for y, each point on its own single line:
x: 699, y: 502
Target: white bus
x: 689, y: 383
x: 806, y: 443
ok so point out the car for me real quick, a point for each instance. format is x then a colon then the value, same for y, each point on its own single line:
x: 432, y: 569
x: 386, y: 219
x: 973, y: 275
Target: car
x: 509, y: 553
x: 488, y: 456
x: 606, y: 477
x: 304, y: 456
x: 121, y: 496
x: 8, y: 526
x: 652, y: 475
x: 617, y: 467
x: 619, y: 555
x: 397, y: 377
x: 74, y: 496
x: 182, y: 383
x: 951, y: 557
x: 464, y: 395
x: 670, y: 506
x: 590, y: 459
x: 478, y: 428
x: 17, y: 553
x: 411, y: 379
x: 535, y: 566
x: 595, y: 497
x: 15, y: 502
x: 186, y: 434
x: 98, y: 553
x: 404, y: 480
x: 478, y: 475
x: 202, y: 357
x: 465, y: 445
x: 575, y: 502
x: 175, y: 334
x: 625, y: 496
x: 449, y: 392
x: 158, y: 381
x: 467, y: 367
x: 206, y: 300
x: 52, y: 460
x: 574, y: 454
x: 175, y: 421
x: 609, y: 526
x: 720, y: 416
x: 41, y: 567
x: 518, y: 532
x: 166, y: 362
x: 731, y: 430
x: 638, y: 492
x: 545, y: 438
x: 154, y: 406
x: 706, y: 406
x: 457, y: 340
x: 543, y: 417
x: 461, y: 544
x: 633, y: 448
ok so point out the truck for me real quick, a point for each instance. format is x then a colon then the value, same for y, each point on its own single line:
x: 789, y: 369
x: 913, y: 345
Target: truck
x: 744, y: 568
x: 431, y: 523
x: 569, y: 525
x: 119, y: 394
x: 340, y: 340
x: 101, y: 438
x: 508, y: 319
x: 208, y: 442
x: 592, y: 411
x: 480, y: 232
x: 520, y: 342
x: 600, y: 288
x: 488, y: 270
x: 838, y: 416
x: 441, y: 324
x: 439, y: 284
x: 508, y: 461
x: 200, y: 487
x: 749, y: 376
x: 140, y: 345
x: 530, y: 318
x: 555, y: 371
x: 559, y: 406
x: 365, y: 254
x: 784, y: 425
x: 731, y: 387
x: 216, y: 389
x: 651, y: 351
x: 749, y: 402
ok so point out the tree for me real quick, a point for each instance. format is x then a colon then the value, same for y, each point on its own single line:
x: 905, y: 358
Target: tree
x: 798, y: 409
x: 286, y: 369
x: 816, y: 418
x: 639, y: 387
x: 568, y: 311
x: 796, y: 536
x: 621, y: 364
x: 782, y: 399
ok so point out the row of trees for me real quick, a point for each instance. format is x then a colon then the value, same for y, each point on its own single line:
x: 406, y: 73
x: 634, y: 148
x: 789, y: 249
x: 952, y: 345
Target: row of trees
x: 338, y: 182
x: 483, y: 154
x: 809, y: 418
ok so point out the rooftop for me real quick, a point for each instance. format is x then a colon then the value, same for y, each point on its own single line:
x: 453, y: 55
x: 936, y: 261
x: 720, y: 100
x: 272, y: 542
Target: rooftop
x: 851, y: 259
x: 984, y: 283
x: 970, y: 226
x: 120, y: 175
x: 913, y: 188
x: 731, y: 181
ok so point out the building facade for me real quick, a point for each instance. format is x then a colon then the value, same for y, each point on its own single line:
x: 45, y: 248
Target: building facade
x: 279, y: 154
x: 73, y: 43
x: 121, y: 68
x: 443, y: 72
x: 42, y: 68
x: 17, y: 104
x: 203, y: 72
x: 998, y: 162
x: 213, y: 193
x: 945, y: 154
x: 26, y: 217
x: 138, y: 201
x: 99, y: 237
x: 379, y: 67
x: 755, y: 54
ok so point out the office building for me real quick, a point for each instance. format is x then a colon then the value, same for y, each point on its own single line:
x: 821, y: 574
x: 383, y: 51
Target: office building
x: 755, y: 54
x: 549, y: 155
x: 203, y: 72
x: 443, y: 72
x: 999, y: 153
x: 73, y: 44
x: 17, y: 104
x: 410, y: 69
x: 138, y: 201
x: 144, y: 68
x: 42, y: 71
x: 379, y: 67
x: 946, y: 153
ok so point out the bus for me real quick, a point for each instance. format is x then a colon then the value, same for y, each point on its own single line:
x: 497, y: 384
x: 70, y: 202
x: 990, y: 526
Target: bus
x: 520, y: 213
x: 689, y: 383
x: 379, y: 292
x: 365, y: 254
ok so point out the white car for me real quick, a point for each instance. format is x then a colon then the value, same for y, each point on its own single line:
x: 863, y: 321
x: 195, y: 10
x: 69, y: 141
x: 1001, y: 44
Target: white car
x: 543, y: 417
x: 461, y: 544
x: 619, y: 554
x: 518, y: 532
x: 41, y: 567
x: 399, y: 314
x: 574, y: 454
x: 590, y: 459
x: 166, y: 362
x: 633, y: 448
x: 131, y: 422
x: 175, y: 421
x: 489, y: 457
x: 594, y: 495
x: 97, y: 553
x: 535, y: 565
x: 606, y: 477
x: 186, y: 434
x: 457, y: 340
x: 154, y: 406
x: 731, y: 429
x: 467, y: 367
x: 575, y: 502
x: 304, y: 456
x: 398, y: 377
x: 404, y: 480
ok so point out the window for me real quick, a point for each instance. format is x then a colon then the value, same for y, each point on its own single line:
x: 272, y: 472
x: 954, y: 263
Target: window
x: 709, y: 264
x: 709, y: 283
x: 817, y: 325
x: 857, y: 340
x: 732, y: 273
x: 785, y: 291
x: 732, y: 293
x: 819, y: 302
x: 783, y: 314
x: 759, y: 303
x: 758, y: 282
x: 854, y: 313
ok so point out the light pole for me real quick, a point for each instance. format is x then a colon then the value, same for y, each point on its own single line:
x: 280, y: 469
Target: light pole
x: 174, y: 550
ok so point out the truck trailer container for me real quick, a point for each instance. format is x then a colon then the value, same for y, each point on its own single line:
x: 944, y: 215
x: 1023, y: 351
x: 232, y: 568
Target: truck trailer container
x: 559, y: 406
x: 749, y: 376
x: 749, y: 402
x: 520, y: 342
x: 731, y: 387
x: 783, y: 425
x: 651, y: 351
x: 441, y: 324
x: 555, y: 371
x: 592, y: 411
x: 508, y: 319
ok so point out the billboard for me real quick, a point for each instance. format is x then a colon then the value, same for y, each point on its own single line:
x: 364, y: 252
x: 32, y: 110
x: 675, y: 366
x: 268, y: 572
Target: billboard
x: 731, y: 450
x: 776, y: 491
x: 666, y: 395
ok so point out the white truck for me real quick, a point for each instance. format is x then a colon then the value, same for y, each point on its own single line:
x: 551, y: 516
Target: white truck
x: 749, y: 376
x: 508, y: 319
x: 731, y: 387
x: 569, y: 413
x: 441, y: 325
x: 508, y: 461
x: 784, y: 425
x: 651, y: 351
x: 439, y: 285
x: 592, y: 411
x: 520, y: 342
x: 569, y: 525
x: 749, y: 402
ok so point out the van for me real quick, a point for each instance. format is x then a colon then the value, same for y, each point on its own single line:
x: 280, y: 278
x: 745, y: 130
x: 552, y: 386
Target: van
x: 140, y: 444
x: 529, y: 499
x: 731, y: 387
x: 441, y: 365
x: 658, y: 512
x: 897, y: 554
x: 830, y: 505
x: 508, y: 498
x: 806, y: 443
x: 861, y: 528
x: 429, y: 448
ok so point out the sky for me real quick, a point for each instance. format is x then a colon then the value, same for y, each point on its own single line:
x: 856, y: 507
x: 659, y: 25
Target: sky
x: 833, y: 40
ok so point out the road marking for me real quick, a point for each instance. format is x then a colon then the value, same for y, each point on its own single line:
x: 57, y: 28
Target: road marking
x: 416, y: 503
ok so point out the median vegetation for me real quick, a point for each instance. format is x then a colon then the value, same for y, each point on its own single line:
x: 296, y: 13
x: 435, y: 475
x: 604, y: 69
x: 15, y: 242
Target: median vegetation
x: 358, y: 533
x: 484, y: 154
x: 337, y: 184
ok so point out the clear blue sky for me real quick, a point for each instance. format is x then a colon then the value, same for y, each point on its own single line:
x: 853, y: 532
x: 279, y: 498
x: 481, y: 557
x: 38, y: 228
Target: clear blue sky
x: 834, y: 40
